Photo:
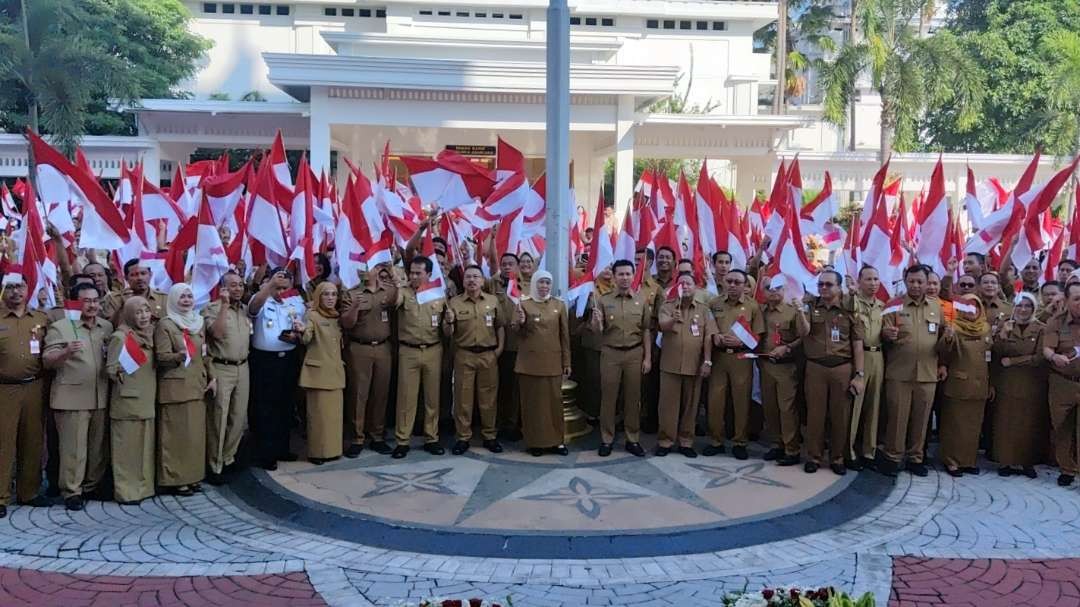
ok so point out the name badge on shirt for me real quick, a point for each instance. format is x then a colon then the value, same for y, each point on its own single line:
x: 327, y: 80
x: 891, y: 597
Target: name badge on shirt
x: 385, y: 316
x: 834, y: 335
x: 988, y: 356
x: 695, y: 330
x: 435, y: 320
x: 931, y: 327
x: 35, y: 346
x: 204, y: 349
x: 489, y: 320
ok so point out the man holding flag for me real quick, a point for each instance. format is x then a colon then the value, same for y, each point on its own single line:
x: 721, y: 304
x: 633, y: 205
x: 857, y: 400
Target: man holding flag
x: 867, y: 307
x: 1061, y: 346
x: 229, y: 343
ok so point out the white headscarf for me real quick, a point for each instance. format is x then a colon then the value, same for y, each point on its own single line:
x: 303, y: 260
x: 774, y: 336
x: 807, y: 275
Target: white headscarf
x: 190, y: 320
x: 536, y: 278
x: 1021, y: 296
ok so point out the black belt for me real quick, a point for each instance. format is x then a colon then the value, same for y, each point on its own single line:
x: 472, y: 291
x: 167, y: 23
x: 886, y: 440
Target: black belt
x: 735, y: 350
x: 368, y: 342
x: 420, y: 346
x: 830, y: 363
x: 225, y: 361
x: 479, y: 349
x: 871, y: 348
x: 624, y: 348
x: 18, y: 382
x: 1072, y: 378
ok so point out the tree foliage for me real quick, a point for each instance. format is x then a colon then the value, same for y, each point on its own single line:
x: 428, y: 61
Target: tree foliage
x: 810, y: 23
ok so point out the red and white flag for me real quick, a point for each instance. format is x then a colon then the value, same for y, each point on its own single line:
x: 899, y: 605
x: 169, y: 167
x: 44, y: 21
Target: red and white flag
x: 72, y: 309
x: 513, y: 291
x: 675, y: 292
x: 894, y: 306
x: 1032, y: 238
x: 933, y: 224
x: 1072, y: 247
x: 435, y: 287
x: 189, y: 349
x: 132, y: 357
x: 817, y: 214
x: 210, y: 261
x: 265, y: 214
x: 961, y: 305
x: 741, y: 329
x: 449, y: 180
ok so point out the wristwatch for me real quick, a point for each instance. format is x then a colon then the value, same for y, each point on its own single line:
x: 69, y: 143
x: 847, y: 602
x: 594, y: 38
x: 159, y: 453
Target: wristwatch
x: 860, y: 374
x: 708, y: 363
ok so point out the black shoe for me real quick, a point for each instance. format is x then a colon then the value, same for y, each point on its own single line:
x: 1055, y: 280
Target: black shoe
x: 434, y: 448
x: 399, y: 452
x: 215, y: 479
x: 853, y: 464
x: 868, y: 463
x: 918, y: 469
x: 318, y: 461
x: 74, y: 503
x: 536, y: 452
x: 773, y: 454
x: 1065, y: 480
x: 810, y: 467
x: 1029, y: 471
x: 887, y: 467
x: 739, y: 452
x: 493, y: 446
x: 972, y: 470
x: 1005, y: 471
x: 954, y: 472
x: 289, y: 457
x: 712, y: 450
x: 593, y: 421
x: 459, y: 448
x: 662, y: 451
x: 381, y: 447
x: 560, y: 450
x: 39, y: 501
x: 688, y: 452
x: 788, y: 460
x: 268, y: 465
x: 838, y: 469
x: 635, y: 449
x: 52, y: 491
x: 354, y: 451
x: 604, y: 450
x: 3, y: 511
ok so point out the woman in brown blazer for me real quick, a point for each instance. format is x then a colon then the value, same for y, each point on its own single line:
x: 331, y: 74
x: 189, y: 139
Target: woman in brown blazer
x: 1021, y: 413
x: 543, y: 361
x: 184, y: 377
x: 323, y: 376
x: 965, y: 349
x: 131, y: 408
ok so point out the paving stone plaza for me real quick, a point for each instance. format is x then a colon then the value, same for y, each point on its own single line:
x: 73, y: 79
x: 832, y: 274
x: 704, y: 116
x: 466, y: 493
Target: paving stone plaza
x: 579, y: 531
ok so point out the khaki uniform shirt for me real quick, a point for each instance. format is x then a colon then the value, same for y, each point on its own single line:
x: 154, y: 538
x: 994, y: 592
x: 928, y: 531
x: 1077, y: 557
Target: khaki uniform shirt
x: 81, y: 383
x: 544, y: 339
x: 111, y: 303
x: 781, y: 328
x: 997, y: 312
x: 1021, y: 345
x: 967, y: 359
x: 418, y: 324
x: 154, y: 298
x: 1062, y: 335
x: 727, y: 313
x: 683, y: 345
x: 626, y: 319
x: 177, y: 383
x: 913, y: 355
x: 373, y: 317
x: 833, y: 332
x: 476, y: 321
x: 868, y: 311
x: 497, y: 287
x: 136, y: 396
x: 22, y: 339
x: 235, y: 345
x: 323, y: 367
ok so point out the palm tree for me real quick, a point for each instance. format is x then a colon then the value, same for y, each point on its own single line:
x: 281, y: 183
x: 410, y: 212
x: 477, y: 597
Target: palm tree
x: 910, y: 72
x: 809, y: 30
x: 1062, y: 52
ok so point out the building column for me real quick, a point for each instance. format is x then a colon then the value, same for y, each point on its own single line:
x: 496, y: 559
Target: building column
x: 624, y: 156
x: 151, y: 161
x: 319, y: 132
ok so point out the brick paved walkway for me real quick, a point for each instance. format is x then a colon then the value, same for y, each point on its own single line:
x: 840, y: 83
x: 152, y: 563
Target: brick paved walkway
x: 922, y: 582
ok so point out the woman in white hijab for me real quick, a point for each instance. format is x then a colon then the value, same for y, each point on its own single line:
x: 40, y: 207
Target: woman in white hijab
x: 543, y: 361
x: 184, y: 377
x: 1021, y: 413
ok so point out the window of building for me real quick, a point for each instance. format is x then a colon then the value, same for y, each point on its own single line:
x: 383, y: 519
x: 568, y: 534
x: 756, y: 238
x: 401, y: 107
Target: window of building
x: 719, y: 26
x: 652, y: 24
x: 380, y: 13
x: 607, y: 22
x: 575, y: 20
x: 329, y: 12
x: 264, y: 9
x: 444, y: 13
x: 348, y: 12
x: 364, y: 12
x: 669, y: 24
x: 684, y: 25
x: 481, y: 15
x: 516, y: 16
x: 702, y: 25
x: 228, y: 8
x: 462, y: 14
x: 281, y: 9
x: 247, y: 9
x: 590, y: 21
x: 425, y: 13
x: 209, y: 7
x: 496, y: 15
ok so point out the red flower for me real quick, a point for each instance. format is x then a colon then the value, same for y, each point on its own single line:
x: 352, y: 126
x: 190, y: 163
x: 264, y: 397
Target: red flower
x: 824, y: 592
x: 475, y: 602
x: 767, y: 594
x: 794, y: 592
x: 451, y: 603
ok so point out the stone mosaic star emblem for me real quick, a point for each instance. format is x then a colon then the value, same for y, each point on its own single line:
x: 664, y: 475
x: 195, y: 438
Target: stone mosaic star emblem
x: 387, y: 483
x: 583, y: 495
x: 721, y: 476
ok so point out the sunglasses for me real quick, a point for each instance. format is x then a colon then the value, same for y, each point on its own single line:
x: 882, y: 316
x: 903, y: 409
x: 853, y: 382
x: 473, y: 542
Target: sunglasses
x: 826, y: 284
x: 966, y: 285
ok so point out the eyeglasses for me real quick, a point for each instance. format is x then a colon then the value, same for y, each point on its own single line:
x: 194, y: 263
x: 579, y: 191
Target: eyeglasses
x: 826, y: 284
x: 966, y: 285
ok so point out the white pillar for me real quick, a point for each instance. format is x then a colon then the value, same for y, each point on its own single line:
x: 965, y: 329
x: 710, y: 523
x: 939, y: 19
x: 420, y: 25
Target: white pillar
x: 151, y: 161
x: 624, y: 156
x: 557, y: 143
x: 319, y: 132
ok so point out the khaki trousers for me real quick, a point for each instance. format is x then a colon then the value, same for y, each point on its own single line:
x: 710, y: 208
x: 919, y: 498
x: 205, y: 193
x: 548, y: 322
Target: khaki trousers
x: 84, y: 450
x: 730, y: 383
x: 226, y: 420
x: 620, y: 370
x: 418, y: 367
x: 132, y: 442
x: 866, y: 411
x: 827, y: 399
x: 21, y: 439
x: 1064, y: 401
x: 779, y: 387
x: 677, y: 409
x: 367, y: 389
x: 908, y: 405
x: 476, y: 384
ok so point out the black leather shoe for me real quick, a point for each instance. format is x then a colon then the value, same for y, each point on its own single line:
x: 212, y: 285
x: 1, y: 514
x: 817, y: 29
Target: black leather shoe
x: 662, y: 451
x: 3, y: 511
x: 215, y: 479
x: 1029, y: 471
x: 838, y: 469
x: 788, y: 460
x: 289, y: 457
x: 972, y: 470
x: 560, y: 450
x: 712, y: 450
x: 493, y: 446
x: 773, y: 454
x: 399, y: 452
x: 868, y: 463
x: 953, y: 472
x: 354, y: 451
x: 318, y: 461
x: 604, y: 450
x: 459, y: 448
x: 853, y: 464
x: 39, y: 501
x: 1005, y: 471
x: 268, y: 465
x: 434, y: 448
x: 635, y: 449
x: 536, y: 452
x: 887, y: 467
x: 739, y: 452
x: 918, y: 469
x: 381, y: 447
x: 1065, y: 480
x: 810, y: 467
x: 687, y: 452
x: 74, y: 503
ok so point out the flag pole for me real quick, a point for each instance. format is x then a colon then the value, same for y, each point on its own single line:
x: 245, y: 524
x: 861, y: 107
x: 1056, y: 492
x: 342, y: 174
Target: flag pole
x: 557, y: 151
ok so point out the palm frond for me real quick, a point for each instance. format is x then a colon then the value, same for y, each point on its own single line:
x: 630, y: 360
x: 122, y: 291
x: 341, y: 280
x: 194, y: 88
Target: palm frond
x: 838, y: 81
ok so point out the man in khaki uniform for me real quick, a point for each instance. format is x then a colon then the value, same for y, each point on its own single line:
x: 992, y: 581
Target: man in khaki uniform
x: 508, y: 417
x: 688, y: 328
x: 138, y: 283
x: 997, y: 309
x: 733, y: 371
x: 621, y: 319
x: 419, y: 360
x: 1061, y: 346
x: 80, y: 391
x: 867, y: 408
x: 474, y: 323
x: 229, y: 343
x: 784, y: 328
x: 650, y: 386
x: 97, y: 272
x: 911, y: 334
x: 370, y: 359
x: 22, y: 395
x: 834, y: 373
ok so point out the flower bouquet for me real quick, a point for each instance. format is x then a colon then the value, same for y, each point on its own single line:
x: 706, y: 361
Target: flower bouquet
x: 795, y: 597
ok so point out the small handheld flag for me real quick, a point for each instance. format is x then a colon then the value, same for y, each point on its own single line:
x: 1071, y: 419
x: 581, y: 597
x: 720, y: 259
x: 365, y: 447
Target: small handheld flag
x: 73, y: 309
x: 895, y: 305
x: 741, y: 329
x: 967, y: 308
x: 132, y: 357
x: 675, y: 293
x: 189, y: 349
x: 513, y: 291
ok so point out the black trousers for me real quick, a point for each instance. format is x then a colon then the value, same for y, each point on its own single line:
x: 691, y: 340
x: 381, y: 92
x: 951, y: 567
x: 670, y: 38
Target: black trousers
x: 273, y: 401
